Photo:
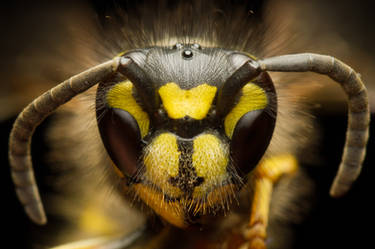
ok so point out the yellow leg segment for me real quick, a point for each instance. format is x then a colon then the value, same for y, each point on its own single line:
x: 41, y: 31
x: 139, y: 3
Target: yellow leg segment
x: 267, y: 173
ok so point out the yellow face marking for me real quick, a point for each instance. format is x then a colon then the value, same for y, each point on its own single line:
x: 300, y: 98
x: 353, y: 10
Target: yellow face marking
x: 162, y: 160
x: 170, y: 211
x: 253, y: 98
x: 195, y: 102
x: 210, y: 159
x: 120, y: 96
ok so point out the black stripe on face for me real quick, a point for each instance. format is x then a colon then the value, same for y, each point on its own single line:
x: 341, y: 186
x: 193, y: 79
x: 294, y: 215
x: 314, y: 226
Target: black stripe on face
x: 187, y: 178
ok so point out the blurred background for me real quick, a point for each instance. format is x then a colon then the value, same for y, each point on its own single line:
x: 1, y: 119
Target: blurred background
x: 38, y: 35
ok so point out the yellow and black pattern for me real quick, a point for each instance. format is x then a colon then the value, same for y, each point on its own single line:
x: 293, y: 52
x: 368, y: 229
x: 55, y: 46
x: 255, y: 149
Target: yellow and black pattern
x: 194, y: 102
x: 184, y: 172
x: 186, y: 160
x: 121, y: 96
x: 253, y: 98
x: 185, y: 115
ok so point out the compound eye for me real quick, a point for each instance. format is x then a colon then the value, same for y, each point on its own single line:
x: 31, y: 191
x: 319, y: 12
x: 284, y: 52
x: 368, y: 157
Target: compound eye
x: 250, y: 139
x: 121, y: 137
x: 250, y: 123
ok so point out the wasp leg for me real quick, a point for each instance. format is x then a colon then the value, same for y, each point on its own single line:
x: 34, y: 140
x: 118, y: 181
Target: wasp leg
x: 106, y: 242
x: 143, y: 237
x: 266, y: 174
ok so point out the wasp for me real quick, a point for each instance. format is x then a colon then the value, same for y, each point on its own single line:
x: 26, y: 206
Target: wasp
x: 185, y: 128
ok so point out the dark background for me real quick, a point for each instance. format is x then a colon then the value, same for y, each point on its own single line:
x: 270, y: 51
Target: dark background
x: 332, y: 223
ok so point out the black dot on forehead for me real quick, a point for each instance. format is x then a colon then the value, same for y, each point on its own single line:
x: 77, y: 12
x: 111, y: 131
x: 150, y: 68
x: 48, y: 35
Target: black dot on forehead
x: 187, y: 54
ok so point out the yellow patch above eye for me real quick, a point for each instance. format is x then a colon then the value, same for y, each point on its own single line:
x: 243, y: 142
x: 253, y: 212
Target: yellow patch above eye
x: 195, y: 102
x: 120, y: 96
x: 253, y: 98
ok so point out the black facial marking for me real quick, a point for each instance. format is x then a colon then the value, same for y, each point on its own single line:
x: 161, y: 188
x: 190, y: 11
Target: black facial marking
x: 173, y: 64
x: 187, y: 178
x: 187, y: 127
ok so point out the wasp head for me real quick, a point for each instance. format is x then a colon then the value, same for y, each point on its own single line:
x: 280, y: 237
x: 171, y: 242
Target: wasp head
x: 186, y: 125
